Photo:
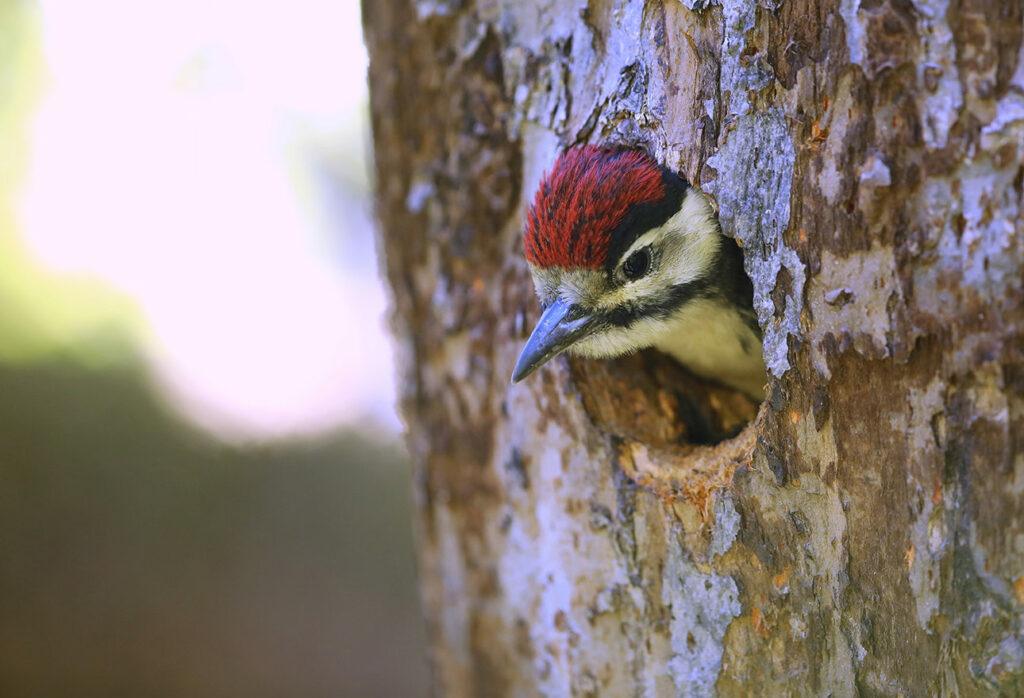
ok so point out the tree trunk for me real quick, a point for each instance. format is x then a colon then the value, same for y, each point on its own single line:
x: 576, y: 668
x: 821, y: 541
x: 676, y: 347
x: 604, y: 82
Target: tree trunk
x: 865, y: 534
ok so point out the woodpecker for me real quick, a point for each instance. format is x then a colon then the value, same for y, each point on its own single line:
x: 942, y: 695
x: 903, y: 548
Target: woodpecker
x: 625, y: 254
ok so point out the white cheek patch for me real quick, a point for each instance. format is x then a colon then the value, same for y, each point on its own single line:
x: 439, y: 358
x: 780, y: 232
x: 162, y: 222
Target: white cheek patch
x: 688, y: 243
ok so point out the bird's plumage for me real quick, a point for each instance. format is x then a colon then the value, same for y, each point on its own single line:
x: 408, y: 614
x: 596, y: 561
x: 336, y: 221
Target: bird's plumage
x: 591, y: 202
x: 626, y: 255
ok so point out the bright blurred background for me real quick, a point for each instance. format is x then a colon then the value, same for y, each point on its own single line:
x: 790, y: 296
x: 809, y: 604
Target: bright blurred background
x: 202, y: 488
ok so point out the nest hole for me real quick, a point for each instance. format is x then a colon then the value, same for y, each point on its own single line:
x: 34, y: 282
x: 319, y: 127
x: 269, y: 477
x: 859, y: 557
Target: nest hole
x: 648, y: 397
x: 677, y: 434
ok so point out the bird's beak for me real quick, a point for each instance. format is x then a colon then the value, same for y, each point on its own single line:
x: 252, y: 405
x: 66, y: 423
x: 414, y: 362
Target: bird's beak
x: 559, y: 326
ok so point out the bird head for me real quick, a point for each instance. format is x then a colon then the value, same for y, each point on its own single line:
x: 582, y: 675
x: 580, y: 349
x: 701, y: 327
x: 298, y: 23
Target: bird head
x: 616, y: 245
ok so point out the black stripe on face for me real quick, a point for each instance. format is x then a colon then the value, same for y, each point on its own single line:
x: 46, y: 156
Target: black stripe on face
x: 660, y: 307
x: 644, y: 217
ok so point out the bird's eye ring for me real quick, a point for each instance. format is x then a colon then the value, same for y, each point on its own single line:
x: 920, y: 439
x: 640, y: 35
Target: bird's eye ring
x: 637, y: 264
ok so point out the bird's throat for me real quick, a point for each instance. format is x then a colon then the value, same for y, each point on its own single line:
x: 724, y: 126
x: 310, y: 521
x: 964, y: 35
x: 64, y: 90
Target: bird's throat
x: 714, y: 341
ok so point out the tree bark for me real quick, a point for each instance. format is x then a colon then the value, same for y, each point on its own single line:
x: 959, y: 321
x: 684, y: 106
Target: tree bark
x: 865, y: 534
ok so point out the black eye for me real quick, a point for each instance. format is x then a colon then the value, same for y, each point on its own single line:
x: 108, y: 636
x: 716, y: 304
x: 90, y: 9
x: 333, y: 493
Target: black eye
x: 637, y: 264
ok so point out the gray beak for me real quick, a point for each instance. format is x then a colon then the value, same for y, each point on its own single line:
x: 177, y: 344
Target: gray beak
x: 559, y: 326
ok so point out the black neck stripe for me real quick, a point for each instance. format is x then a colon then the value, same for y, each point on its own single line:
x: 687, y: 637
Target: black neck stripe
x: 662, y: 306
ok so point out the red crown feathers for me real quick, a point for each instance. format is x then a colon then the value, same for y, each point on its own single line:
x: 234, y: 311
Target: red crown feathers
x: 582, y: 199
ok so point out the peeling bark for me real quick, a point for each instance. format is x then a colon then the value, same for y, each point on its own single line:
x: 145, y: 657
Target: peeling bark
x: 865, y: 534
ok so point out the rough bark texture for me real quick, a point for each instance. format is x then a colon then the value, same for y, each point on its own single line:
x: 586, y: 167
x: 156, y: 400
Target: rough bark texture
x: 866, y: 533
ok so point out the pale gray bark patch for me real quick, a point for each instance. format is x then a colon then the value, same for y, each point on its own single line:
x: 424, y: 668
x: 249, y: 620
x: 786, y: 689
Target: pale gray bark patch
x: 861, y: 319
x: 739, y: 75
x: 941, y: 95
x: 702, y: 606
x: 727, y: 524
x: 426, y: 9
x: 855, y: 30
x: 929, y: 528
x: 754, y: 168
x: 752, y: 188
x: 698, y: 5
